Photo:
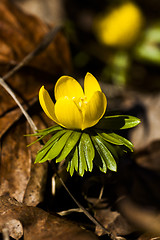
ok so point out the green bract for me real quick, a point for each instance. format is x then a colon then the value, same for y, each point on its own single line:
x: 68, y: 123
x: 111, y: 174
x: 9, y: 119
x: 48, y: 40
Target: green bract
x: 98, y: 145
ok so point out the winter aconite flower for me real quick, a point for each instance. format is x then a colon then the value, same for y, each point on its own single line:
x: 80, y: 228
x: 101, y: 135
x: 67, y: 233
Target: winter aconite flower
x: 75, y: 108
x: 120, y: 27
x: 74, y: 111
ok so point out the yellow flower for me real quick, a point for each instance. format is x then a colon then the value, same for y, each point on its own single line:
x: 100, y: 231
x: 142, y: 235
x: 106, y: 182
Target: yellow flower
x: 75, y: 109
x: 120, y: 27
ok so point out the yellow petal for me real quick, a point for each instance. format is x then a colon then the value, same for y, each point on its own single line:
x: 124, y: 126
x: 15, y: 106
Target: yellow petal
x: 91, y: 85
x: 47, y: 104
x: 68, y: 113
x: 67, y: 86
x: 95, y: 109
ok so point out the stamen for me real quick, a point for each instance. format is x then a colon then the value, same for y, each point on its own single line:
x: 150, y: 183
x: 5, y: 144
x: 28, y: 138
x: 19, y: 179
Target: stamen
x: 80, y: 102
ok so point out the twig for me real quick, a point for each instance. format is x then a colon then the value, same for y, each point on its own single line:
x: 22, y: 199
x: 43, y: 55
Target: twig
x: 66, y: 212
x: 94, y: 220
x: 9, y: 90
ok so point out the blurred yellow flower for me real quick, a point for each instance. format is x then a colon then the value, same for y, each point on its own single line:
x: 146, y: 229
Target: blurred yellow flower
x: 120, y: 27
x: 75, y: 109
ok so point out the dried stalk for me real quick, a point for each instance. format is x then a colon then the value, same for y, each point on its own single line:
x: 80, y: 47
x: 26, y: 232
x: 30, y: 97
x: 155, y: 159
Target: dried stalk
x: 11, y: 93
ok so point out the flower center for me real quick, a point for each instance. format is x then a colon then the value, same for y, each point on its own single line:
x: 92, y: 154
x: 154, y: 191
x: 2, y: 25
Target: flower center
x: 80, y: 102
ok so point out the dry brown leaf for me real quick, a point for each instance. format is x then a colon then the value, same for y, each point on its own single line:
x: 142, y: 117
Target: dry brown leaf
x: 147, y: 236
x: 19, y: 176
x: 34, y: 192
x: 8, y: 120
x: 49, y: 11
x: 38, y: 224
x: 26, y: 85
x: 13, y: 228
x: 140, y: 217
x: 20, y: 33
x: 121, y: 227
x: 148, y: 130
x: 149, y: 157
x: 105, y: 217
x: 15, y: 163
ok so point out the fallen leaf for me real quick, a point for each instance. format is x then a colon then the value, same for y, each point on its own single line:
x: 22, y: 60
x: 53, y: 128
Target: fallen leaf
x: 36, y: 186
x: 15, y: 163
x: 13, y: 228
x: 149, y: 157
x: 20, y: 33
x: 142, y: 218
x: 20, y: 177
x: 105, y: 217
x: 149, y: 236
x: 38, y: 224
x: 49, y: 11
x: 121, y: 227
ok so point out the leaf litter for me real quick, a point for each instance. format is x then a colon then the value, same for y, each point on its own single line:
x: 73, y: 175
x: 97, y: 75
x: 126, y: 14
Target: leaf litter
x: 29, y: 185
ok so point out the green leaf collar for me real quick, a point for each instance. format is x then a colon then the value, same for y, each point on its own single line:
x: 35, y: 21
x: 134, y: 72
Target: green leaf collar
x: 82, y: 150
